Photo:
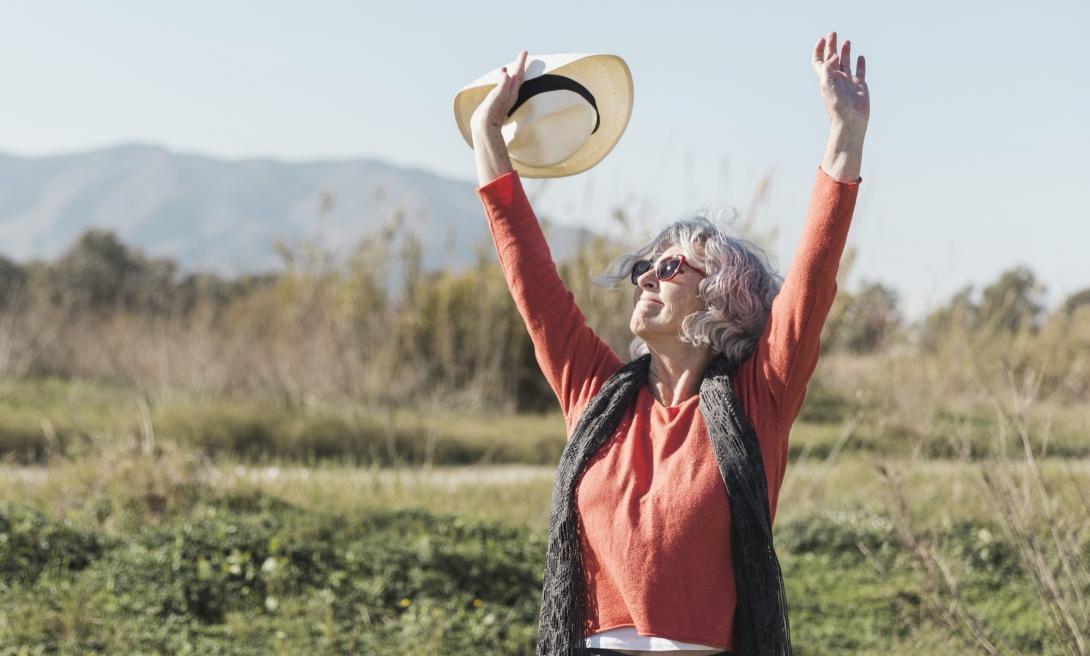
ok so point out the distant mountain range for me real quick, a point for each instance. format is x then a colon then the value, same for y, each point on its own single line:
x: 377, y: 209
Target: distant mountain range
x: 226, y: 215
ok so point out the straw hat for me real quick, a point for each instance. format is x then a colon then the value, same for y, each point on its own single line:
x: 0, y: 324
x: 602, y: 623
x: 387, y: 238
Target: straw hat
x: 571, y: 111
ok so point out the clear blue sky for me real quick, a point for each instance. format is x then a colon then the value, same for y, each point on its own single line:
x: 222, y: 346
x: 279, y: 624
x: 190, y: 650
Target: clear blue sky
x: 976, y: 156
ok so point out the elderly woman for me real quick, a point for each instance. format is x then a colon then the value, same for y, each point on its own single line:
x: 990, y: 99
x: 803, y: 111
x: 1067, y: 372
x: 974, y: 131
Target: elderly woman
x: 660, y: 534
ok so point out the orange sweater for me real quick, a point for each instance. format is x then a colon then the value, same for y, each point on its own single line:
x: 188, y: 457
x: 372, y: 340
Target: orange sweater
x: 654, y: 513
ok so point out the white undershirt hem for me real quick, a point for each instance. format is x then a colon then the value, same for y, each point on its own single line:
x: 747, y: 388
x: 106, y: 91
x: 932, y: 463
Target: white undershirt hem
x: 628, y: 638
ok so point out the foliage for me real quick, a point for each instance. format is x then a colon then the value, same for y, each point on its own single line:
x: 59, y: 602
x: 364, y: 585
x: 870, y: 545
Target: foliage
x: 864, y: 321
x: 377, y: 330
x: 361, y: 586
x: 30, y: 543
x: 1075, y: 301
x: 43, y: 420
x: 245, y: 573
x: 1012, y: 304
x: 12, y: 279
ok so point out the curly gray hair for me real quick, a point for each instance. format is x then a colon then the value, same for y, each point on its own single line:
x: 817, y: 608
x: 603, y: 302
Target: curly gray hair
x: 738, y: 290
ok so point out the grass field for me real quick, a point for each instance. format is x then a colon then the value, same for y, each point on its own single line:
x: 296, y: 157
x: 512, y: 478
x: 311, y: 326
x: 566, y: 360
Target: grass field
x: 40, y: 418
x: 208, y: 527
x: 323, y: 460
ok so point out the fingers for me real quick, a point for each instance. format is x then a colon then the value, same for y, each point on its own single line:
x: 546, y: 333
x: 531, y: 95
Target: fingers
x: 819, y: 53
x: 507, y: 73
x: 825, y: 52
x: 493, y: 109
x: 830, y: 46
x: 496, y: 91
x: 498, y: 94
x: 520, y: 67
x: 511, y: 76
x: 506, y: 90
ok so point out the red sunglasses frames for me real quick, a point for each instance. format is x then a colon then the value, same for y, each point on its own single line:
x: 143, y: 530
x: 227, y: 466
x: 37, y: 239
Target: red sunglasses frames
x: 666, y: 269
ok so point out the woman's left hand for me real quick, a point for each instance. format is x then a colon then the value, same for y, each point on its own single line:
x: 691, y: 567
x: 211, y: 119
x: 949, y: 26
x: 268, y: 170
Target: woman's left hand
x: 846, y: 97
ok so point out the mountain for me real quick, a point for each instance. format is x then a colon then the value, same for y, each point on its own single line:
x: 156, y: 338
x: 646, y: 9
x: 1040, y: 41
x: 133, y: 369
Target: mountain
x: 226, y: 215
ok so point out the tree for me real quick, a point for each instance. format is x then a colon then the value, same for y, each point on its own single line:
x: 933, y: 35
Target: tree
x: 92, y: 272
x: 1075, y: 301
x: 100, y: 273
x: 959, y: 313
x: 12, y: 279
x: 1013, y: 303
x: 864, y: 321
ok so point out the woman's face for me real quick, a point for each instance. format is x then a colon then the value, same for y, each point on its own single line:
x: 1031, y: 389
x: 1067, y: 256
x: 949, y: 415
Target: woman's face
x: 661, y: 305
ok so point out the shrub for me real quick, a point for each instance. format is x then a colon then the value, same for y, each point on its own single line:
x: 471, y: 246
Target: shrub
x: 840, y: 535
x: 30, y: 543
x: 251, y: 564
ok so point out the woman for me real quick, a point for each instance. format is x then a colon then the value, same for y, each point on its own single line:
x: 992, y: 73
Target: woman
x: 660, y: 533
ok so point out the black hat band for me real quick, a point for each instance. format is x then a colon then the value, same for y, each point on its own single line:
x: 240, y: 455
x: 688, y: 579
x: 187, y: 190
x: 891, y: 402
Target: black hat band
x: 548, y: 82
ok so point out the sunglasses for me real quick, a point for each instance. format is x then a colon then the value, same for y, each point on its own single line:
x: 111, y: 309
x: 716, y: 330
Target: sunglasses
x: 667, y: 268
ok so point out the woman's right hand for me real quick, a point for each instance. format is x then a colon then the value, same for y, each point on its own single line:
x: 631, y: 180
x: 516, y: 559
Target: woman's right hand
x: 489, y: 148
x: 492, y: 112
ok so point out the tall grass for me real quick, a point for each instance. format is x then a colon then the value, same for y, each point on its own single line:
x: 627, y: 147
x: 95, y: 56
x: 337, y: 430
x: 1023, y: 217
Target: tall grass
x: 1046, y: 523
x: 337, y: 389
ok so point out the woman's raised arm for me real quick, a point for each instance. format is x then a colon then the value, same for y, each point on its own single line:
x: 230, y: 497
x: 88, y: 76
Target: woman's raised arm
x: 574, y: 360
x: 787, y: 353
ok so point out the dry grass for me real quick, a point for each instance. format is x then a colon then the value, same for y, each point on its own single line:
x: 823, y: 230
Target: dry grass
x: 1042, y: 507
x: 941, y: 492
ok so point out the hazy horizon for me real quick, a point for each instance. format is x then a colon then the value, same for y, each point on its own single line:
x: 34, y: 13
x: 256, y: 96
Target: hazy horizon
x: 974, y: 158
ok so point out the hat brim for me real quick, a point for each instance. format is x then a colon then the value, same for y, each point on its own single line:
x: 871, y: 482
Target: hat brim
x: 606, y: 76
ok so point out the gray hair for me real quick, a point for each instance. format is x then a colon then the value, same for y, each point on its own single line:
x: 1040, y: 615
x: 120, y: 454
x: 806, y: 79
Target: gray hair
x: 738, y: 290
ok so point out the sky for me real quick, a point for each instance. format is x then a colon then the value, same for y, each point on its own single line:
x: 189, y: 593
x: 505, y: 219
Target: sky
x: 975, y: 160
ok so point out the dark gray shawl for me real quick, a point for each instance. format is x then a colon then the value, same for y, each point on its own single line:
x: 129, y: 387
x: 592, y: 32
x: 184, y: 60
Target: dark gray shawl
x: 760, y: 621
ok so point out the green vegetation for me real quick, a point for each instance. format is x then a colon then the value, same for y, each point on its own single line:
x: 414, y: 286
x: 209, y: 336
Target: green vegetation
x: 244, y: 572
x: 248, y: 574
x: 52, y: 417
x: 321, y: 461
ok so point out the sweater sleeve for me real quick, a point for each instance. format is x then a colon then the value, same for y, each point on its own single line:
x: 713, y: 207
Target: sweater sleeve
x: 574, y: 360
x: 787, y: 352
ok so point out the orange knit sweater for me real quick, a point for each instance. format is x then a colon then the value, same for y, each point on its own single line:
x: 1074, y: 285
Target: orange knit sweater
x: 653, y: 509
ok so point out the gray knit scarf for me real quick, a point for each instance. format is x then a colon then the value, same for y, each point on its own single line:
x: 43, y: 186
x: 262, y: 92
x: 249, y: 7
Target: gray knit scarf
x: 760, y: 621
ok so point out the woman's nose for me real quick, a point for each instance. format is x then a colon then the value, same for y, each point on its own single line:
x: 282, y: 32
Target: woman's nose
x: 648, y: 280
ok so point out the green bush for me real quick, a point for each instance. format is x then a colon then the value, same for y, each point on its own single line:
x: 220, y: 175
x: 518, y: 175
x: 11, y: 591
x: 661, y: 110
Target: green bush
x: 30, y: 543
x: 985, y: 549
x: 250, y: 574
x: 247, y: 562
x: 839, y: 535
